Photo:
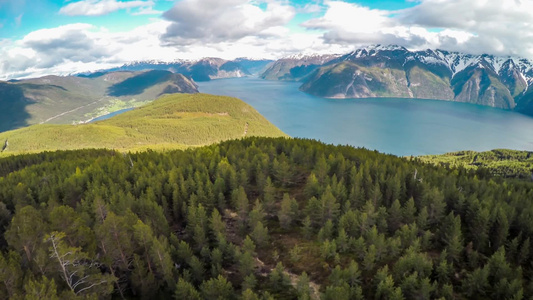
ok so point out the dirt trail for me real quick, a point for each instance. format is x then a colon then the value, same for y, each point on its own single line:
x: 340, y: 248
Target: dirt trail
x: 245, y: 129
x: 315, y: 288
x: 70, y: 111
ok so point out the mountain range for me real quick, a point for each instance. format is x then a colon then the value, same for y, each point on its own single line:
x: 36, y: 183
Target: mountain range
x: 394, y: 71
x: 204, y: 69
x: 68, y: 99
x: 374, y: 71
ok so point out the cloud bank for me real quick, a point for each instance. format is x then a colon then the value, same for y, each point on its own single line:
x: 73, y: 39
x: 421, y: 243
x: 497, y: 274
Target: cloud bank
x: 265, y: 29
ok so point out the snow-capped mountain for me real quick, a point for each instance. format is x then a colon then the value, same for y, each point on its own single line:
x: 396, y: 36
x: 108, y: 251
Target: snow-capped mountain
x: 394, y: 71
x: 454, y: 61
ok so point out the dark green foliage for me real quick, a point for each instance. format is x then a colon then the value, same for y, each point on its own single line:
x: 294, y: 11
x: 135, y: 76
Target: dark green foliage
x: 242, y: 218
x: 499, y: 162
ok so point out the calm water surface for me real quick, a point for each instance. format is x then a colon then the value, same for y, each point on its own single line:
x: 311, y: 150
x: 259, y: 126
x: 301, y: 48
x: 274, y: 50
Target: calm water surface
x: 105, y: 117
x: 397, y: 126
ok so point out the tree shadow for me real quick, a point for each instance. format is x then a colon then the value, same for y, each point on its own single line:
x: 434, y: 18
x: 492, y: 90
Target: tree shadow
x: 13, y: 113
x: 137, y: 84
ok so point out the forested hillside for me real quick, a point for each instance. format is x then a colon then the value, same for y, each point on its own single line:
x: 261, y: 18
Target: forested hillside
x: 259, y: 218
x: 499, y: 162
x: 173, y: 121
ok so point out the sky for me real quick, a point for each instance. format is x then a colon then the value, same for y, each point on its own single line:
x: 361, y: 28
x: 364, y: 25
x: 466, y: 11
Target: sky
x: 59, y: 37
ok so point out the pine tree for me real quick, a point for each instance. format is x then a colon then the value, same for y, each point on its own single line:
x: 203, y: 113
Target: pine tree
x: 330, y: 206
x: 216, y: 224
x: 216, y: 288
x: 452, y: 237
x: 248, y: 294
x: 242, y: 204
x: 26, y: 231
x: 11, y: 274
x: 307, y: 229
x: 314, y: 211
x: 288, y: 211
x: 197, y: 268
x: 409, y: 211
x: 246, y: 264
x: 394, y: 219
x: 260, y: 234
x: 269, y: 196
x: 302, y: 286
x: 312, y: 187
x: 185, y: 290
x: 41, y: 289
x: 321, y: 169
x: 257, y: 214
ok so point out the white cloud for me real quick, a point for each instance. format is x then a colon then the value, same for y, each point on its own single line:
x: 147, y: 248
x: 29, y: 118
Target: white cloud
x: 83, y: 47
x: 353, y: 24
x: 101, y: 7
x: 351, y: 17
x: 147, y: 11
x: 497, y: 27
x: 259, y: 29
x: 214, y: 21
x: 476, y: 26
x: 74, y: 42
x: 80, y: 47
x: 310, y: 8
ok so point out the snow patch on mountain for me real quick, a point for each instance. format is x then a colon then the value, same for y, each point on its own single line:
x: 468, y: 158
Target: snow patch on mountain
x: 456, y: 62
x: 317, y: 58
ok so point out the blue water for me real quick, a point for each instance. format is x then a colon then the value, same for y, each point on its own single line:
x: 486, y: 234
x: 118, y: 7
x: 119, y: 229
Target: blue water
x: 396, y: 126
x: 104, y: 117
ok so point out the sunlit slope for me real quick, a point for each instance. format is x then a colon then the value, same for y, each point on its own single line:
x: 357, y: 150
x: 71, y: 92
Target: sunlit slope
x: 172, y: 121
x: 500, y: 162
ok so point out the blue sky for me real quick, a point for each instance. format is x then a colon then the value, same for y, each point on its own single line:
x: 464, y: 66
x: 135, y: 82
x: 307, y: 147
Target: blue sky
x: 20, y: 17
x: 39, y: 37
x: 38, y: 14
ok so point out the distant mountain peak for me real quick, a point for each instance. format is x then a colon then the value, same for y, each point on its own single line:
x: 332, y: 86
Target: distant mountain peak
x: 308, y: 56
x: 203, y: 69
x: 380, y: 47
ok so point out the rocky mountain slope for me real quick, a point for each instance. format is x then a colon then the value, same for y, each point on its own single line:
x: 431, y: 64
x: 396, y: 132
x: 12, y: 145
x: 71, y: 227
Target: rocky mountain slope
x: 393, y: 71
x: 296, y: 67
x: 204, y: 69
x: 68, y: 99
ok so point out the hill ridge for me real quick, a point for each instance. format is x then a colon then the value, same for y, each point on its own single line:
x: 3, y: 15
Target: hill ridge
x: 172, y: 121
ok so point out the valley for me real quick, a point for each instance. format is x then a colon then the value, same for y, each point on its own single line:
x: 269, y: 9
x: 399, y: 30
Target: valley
x: 197, y: 196
x: 75, y: 99
x: 266, y: 149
